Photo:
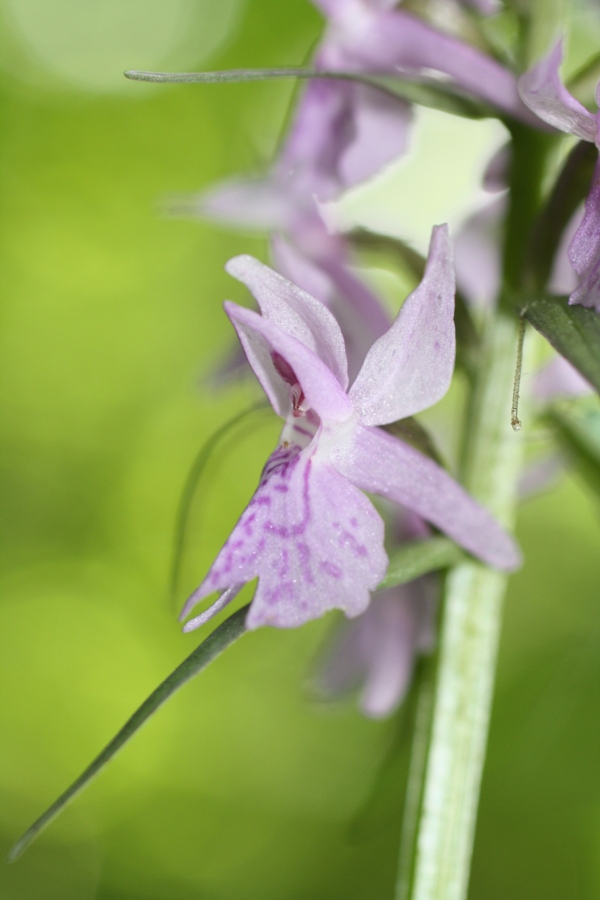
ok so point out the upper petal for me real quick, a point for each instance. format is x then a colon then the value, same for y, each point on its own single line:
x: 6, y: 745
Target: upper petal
x: 398, y: 40
x: 294, y: 311
x: 584, y: 252
x: 381, y: 127
x: 361, y: 315
x: 260, y: 338
x: 410, y: 367
x: 543, y: 92
x: 314, y: 541
x: 377, y: 462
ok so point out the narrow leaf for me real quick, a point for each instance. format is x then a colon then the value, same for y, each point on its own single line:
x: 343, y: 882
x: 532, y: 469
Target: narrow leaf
x: 420, y: 557
x: 572, y: 330
x: 209, y: 649
x: 416, y: 89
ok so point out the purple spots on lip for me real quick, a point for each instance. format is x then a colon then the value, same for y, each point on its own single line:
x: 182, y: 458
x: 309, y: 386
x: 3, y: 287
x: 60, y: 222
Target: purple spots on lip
x: 281, y: 488
x: 330, y: 569
x: 304, y: 561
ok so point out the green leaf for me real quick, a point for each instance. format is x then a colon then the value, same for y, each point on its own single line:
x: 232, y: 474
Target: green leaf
x: 229, y: 630
x: 577, y: 427
x: 572, y: 330
x: 418, y: 89
x: 420, y: 557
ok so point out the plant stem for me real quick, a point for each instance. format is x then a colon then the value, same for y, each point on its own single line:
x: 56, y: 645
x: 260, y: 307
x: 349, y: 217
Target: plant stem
x: 468, y: 643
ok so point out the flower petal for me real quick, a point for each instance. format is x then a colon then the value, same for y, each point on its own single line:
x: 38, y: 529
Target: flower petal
x: 400, y: 40
x: 544, y: 93
x: 410, y: 367
x: 260, y: 338
x: 294, y: 311
x: 381, y: 126
x: 361, y: 316
x: 314, y: 541
x: 584, y: 251
x: 249, y: 204
x: 377, y: 462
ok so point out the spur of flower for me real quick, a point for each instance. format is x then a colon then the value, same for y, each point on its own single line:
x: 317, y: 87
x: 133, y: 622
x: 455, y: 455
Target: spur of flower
x: 309, y: 533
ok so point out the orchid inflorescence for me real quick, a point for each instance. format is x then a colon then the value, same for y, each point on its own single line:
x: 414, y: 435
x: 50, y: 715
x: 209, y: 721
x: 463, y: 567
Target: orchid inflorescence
x: 346, y: 378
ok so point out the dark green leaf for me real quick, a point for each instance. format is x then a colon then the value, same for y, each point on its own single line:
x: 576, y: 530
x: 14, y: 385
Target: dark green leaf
x: 577, y: 427
x: 231, y: 629
x: 418, y: 89
x: 420, y: 557
x: 572, y: 330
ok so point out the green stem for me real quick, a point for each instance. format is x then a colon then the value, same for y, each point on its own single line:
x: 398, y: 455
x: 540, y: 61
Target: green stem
x: 468, y: 644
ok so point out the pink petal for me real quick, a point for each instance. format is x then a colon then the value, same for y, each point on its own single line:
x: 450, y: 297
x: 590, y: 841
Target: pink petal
x: 260, y: 338
x: 312, y: 539
x: 381, y: 129
x: 255, y: 205
x: 294, y: 311
x: 402, y: 41
x: 584, y: 251
x: 410, y: 367
x: 379, y: 463
x: 361, y: 316
x: 545, y: 94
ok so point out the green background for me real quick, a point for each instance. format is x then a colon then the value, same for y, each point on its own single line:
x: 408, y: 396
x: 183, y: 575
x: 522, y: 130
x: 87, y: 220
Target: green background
x: 244, y: 786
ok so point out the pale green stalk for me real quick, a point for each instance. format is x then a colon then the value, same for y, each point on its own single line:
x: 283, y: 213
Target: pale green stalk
x: 468, y: 645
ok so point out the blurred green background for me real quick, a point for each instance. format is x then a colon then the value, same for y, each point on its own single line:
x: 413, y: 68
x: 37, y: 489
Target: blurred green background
x: 242, y: 787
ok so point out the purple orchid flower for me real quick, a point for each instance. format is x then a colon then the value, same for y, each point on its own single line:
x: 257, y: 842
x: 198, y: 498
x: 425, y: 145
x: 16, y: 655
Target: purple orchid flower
x: 309, y: 534
x: 544, y: 93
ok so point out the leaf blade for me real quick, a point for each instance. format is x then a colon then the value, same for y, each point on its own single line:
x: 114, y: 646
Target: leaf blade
x: 221, y: 638
x: 572, y: 330
x: 417, y: 558
x: 422, y: 90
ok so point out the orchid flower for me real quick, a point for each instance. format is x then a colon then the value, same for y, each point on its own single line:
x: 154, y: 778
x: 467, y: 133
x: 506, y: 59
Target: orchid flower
x: 309, y: 534
x: 545, y: 94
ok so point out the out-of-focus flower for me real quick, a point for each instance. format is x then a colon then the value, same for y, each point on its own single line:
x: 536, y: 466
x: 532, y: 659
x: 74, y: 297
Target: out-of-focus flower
x: 543, y: 91
x: 376, y: 652
x: 309, y: 533
x: 373, y: 36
